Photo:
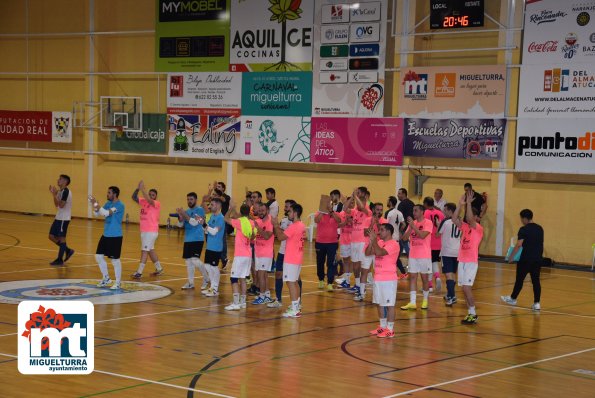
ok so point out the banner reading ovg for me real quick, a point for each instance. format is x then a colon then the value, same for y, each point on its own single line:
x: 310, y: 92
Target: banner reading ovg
x: 277, y: 94
x: 152, y: 139
x: 454, y: 138
x: 370, y: 141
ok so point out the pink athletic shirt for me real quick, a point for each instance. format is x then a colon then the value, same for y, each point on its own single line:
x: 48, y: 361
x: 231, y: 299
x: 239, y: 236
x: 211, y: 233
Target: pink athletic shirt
x: 326, y: 229
x: 242, y: 242
x: 346, y: 229
x: 294, y: 250
x: 263, y: 248
x: 421, y: 248
x: 149, y: 215
x: 436, y: 216
x: 385, y: 267
x: 361, y: 221
x: 470, y: 240
x: 375, y: 228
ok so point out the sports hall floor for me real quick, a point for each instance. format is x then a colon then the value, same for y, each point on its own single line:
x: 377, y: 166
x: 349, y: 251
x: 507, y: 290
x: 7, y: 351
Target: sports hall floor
x: 187, y: 345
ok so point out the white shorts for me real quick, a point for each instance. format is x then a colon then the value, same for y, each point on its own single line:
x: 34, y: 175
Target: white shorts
x: 357, y: 252
x: 367, y: 262
x: 263, y: 264
x: 148, y: 240
x: 466, y: 274
x: 345, y: 251
x: 291, y: 272
x: 385, y: 293
x: 420, y: 265
x: 240, y: 268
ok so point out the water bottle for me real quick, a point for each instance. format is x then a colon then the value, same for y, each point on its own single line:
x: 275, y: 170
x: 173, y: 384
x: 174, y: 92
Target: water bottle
x: 126, y: 218
x: 168, y: 225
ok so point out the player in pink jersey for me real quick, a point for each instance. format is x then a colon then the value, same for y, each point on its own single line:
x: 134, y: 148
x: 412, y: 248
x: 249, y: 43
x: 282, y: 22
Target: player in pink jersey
x: 361, y: 217
x: 346, y: 226
x: 327, y: 243
x: 385, y: 251
x: 436, y: 216
x: 420, y: 256
x: 294, y: 235
x: 149, y: 228
x: 471, y: 236
x: 375, y: 221
x: 263, y: 252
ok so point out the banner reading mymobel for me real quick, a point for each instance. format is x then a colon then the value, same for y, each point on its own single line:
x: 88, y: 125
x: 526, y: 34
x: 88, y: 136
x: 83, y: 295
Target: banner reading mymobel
x: 152, y: 139
x: 192, y: 35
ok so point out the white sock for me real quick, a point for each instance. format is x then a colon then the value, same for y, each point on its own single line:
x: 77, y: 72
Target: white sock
x: 426, y: 294
x: 190, y: 270
x: 362, y: 289
x: 102, y: 265
x: 141, y: 268
x: 214, y: 275
x: 383, y: 322
x: 202, y: 268
x: 413, y: 297
x: 295, y: 305
x: 347, y: 277
x: 267, y: 294
x: 472, y: 310
x: 391, y: 325
x: 435, y: 267
x: 236, y: 298
x: 117, y: 264
x: 357, y: 281
x: 158, y: 266
x: 243, y: 299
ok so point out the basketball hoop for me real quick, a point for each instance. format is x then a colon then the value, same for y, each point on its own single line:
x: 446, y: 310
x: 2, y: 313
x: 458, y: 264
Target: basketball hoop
x: 119, y: 130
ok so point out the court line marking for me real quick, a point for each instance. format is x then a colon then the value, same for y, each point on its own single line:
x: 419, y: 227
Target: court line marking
x: 147, y: 381
x: 488, y: 373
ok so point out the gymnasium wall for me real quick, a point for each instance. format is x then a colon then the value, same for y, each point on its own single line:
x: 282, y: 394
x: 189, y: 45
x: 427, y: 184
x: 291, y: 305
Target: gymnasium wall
x: 561, y: 203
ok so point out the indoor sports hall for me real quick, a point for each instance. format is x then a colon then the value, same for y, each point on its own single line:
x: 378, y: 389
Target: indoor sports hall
x: 297, y: 198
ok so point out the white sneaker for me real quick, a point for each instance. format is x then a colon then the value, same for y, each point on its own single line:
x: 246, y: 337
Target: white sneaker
x: 243, y: 306
x: 275, y: 304
x: 104, y: 282
x: 204, y: 286
x: 212, y: 293
x: 115, y: 286
x: 205, y: 291
x: 188, y: 286
x: 233, y: 307
x: 508, y: 300
x: 290, y: 313
x: 536, y: 307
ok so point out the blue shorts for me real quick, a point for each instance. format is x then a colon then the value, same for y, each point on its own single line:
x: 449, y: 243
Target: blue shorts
x: 59, y: 228
x: 449, y: 265
x: 279, y: 262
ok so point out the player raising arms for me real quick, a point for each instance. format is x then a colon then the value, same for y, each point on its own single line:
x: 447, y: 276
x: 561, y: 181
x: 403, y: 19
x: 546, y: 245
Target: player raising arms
x: 149, y: 228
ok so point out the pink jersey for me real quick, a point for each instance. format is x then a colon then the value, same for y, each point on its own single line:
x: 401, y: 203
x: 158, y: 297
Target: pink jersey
x: 361, y: 221
x: 470, y: 240
x: 149, y: 215
x: 294, y: 250
x: 263, y: 248
x: 242, y: 242
x: 436, y: 216
x: 385, y: 267
x: 375, y: 227
x: 326, y: 229
x: 421, y: 248
x: 345, y: 238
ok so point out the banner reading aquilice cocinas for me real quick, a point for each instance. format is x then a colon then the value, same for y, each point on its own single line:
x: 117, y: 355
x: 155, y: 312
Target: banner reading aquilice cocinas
x: 454, y: 138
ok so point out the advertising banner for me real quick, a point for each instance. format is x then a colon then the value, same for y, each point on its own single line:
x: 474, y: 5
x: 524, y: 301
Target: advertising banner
x: 454, y: 138
x: 277, y: 94
x: 192, y: 35
x: 559, y: 32
x: 204, y: 136
x: 557, y: 91
x: 36, y: 126
x: 276, y: 139
x: 206, y: 90
x: 369, y: 141
x: 555, y: 146
x: 349, y: 57
x: 271, y: 35
x: 453, y: 92
x: 151, y: 140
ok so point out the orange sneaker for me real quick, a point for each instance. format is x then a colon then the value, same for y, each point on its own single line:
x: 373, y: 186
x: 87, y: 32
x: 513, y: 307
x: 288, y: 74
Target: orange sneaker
x: 386, y: 333
x: 376, y: 331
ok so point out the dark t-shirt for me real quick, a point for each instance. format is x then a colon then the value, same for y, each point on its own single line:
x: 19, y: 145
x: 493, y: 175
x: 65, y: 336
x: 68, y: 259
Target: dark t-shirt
x: 225, y: 204
x: 477, y: 201
x: 532, y: 235
x: 406, y: 207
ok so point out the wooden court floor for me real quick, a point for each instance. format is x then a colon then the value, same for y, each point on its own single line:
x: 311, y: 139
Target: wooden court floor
x: 185, y: 345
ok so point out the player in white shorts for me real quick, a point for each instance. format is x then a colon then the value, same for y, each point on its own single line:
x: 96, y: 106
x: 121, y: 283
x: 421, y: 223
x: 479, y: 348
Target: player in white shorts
x: 263, y: 251
x: 346, y: 226
x: 375, y: 221
x: 361, y: 218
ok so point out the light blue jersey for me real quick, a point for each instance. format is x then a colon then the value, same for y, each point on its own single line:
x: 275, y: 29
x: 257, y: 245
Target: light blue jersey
x: 215, y: 242
x: 194, y: 233
x: 113, y: 223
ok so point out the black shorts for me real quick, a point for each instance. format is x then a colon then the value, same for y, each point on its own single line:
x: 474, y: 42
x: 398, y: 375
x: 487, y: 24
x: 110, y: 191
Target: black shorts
x: 192, y: 249
x: 279, y: 262
x: 449, y: 265
x: 110, y: 247
x: 435, y: 256
x: 59, y: 228
x: 212, y: 258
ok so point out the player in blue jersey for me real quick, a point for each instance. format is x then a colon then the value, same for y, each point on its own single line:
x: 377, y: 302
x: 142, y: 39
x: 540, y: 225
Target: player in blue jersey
x: 215, y: 229
x: 192, y: 219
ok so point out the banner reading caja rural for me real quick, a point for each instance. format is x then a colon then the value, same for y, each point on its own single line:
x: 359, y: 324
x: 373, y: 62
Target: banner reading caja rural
x: 204, y: 136
x: 453, y: 91
x: 277, y: 94
x: 152, y: 139
x: 271, y: 35
x: 555, y: 146
x: 349, y: 55
x: 370, y: 141
x: 192, y: 35
x: 454, y: 138
x: 557, y: 91
x: 558, y: 31
x: 204, y: 90
x: 36, y: 126
x: 275, y: 139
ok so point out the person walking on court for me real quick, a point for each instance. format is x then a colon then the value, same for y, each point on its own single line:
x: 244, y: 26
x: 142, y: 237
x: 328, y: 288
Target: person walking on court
x: 327, y: 243
x: 110, y: 243
x: 62, y: 197
x: 150, y: 208
x: 530, y: 241
x: 192, y: 219
x: 263, y: 252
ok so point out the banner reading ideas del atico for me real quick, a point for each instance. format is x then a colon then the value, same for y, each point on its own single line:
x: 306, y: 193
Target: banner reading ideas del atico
x: 555, y: 146
x: 557, y: 91
x: 454, y: 138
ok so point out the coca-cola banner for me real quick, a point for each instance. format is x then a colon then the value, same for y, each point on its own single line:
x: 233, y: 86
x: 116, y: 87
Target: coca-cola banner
x: 36, y: 126
x: 559, y: 32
